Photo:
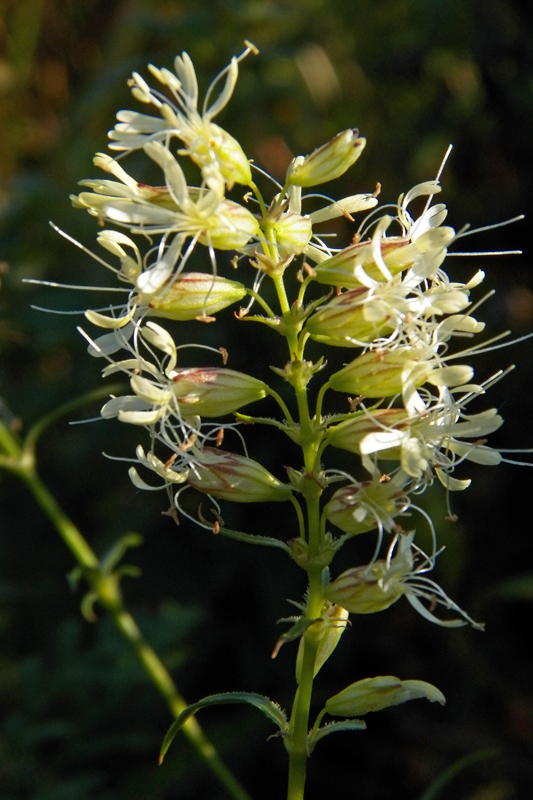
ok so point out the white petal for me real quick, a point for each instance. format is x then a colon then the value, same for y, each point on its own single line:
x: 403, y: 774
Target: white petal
x: 149, y: 392
x: 453, y: 484
x: 140, y: 484
x: 140, y: 417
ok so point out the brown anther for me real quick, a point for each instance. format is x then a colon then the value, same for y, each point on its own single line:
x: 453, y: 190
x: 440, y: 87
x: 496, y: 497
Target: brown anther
x: 205, y: 318
x: 381, y: 355
x: 433, y: 604
x: 377, y: 190
x: 300, y: 276
x: 235, y: 262
x: 347, y: 215
x: 220, y: 437
x: 309, y: 269
x: 451, y: 518
x: 241, y: 313
x: 171, y: 513
x: 136, y: 371
x: 170, y: 461
x: 216, y: 528
x: 356, y: 238
x: 188, y: 444
x: 246, y: 197
x: 384, y: 479
x: 354, y: 402
x: 338, y: 291
x: 224, y: 353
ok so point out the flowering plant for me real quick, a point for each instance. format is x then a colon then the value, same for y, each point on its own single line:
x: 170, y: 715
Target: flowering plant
x: 385, y: 298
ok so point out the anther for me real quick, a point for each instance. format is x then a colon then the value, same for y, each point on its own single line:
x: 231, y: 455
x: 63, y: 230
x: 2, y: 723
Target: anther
x: 224, y: 353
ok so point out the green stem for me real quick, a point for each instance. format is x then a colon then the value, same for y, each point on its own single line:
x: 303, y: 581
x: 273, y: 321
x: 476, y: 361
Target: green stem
x: 105, y: 586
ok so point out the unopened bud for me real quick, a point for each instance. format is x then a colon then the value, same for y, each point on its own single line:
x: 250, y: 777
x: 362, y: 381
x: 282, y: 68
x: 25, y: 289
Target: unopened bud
x: 195, y: 294
x: 374, y: 694
x: 340, y: 270
x: 230, y: 227
x: 348, y: 435
x: 361, y: 590
x: 345, y: 318
x: 293, y: 232
x: 232, y: 162
x: 213, y: 392
x: 329, y: 631
x: 327, y: 162
x: 360, y: 508
x: 381, y: 374
x: 229, y: 476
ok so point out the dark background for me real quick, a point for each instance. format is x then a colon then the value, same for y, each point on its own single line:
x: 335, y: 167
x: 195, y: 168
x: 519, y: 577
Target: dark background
x: 79, y: 720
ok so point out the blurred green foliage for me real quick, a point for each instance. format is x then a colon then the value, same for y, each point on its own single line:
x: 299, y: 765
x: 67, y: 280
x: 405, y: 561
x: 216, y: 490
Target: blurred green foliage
x: 79, y: 720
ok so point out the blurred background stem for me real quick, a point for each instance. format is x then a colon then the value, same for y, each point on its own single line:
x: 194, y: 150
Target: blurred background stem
x: 19, y: 459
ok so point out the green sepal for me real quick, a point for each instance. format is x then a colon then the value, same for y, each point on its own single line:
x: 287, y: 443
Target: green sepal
x: 295, y: 632
x: 333, y: 727
x: 269, y: 708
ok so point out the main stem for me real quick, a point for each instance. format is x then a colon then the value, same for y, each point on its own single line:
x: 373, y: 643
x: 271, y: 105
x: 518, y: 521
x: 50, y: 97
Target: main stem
x: 296, y: 741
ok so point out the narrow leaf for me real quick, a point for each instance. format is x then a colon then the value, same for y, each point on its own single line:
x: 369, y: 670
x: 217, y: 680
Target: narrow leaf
x: 270, y: 709
x: 334, y: 727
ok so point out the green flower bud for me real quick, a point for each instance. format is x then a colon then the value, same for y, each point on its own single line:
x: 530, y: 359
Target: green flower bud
x: 374, y: 694
x: 327, y: 162
x: 359, y: 508
x: 229, y: 476
x: 213, y: 392
x: 349, y: 434
x: 345, y: 318
x: 232, y: 162
x: 230, y: 227
x: 398, y: 253
x: 329, y: 631
x: 381, y: 374
x: 361, y: 590
x: 195, y: 294
x: 293, y: 232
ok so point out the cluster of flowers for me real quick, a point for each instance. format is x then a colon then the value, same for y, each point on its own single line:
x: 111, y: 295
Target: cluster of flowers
x: 385, y: 294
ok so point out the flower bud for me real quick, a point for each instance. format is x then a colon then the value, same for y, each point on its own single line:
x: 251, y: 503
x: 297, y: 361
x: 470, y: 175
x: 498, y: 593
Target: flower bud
x: 229, y: 476
x: 340, y: 270
x: 346, y: 317
x: 293, y: 232
x: 195, y: 294
x: 374, y: 694
x: 360, y: 508
x: 232, y: 162
x: 213, y: 392
x: 381, y: 374
x: 327, y: 162
x: 230, y: 227
x: 329, y: 631
x: 361, y: 590
x: 348, y: 435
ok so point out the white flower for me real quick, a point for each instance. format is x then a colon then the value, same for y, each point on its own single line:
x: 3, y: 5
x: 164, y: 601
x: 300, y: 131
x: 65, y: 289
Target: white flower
x: 205, y: 142
x: 367, y: 590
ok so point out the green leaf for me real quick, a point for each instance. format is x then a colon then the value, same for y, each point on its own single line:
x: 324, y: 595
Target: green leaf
x: 270, y: 709
x: 333, y: 727
x: 250, y: 538
x: 295, y: 632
